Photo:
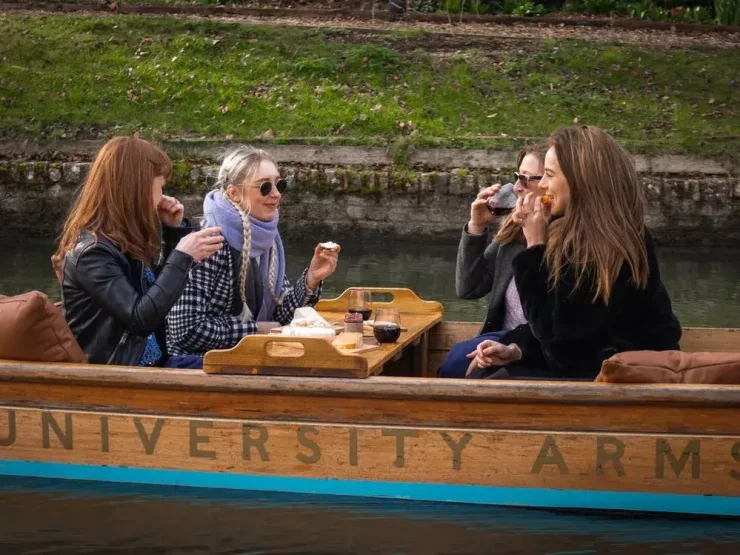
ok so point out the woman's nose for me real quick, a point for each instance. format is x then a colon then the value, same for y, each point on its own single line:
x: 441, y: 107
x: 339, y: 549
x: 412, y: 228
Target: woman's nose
x: 543, y: 184
x: 519, y: 188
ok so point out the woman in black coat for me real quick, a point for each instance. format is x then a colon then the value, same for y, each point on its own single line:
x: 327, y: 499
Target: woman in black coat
x: 115, y: 295
x: 589, y: 280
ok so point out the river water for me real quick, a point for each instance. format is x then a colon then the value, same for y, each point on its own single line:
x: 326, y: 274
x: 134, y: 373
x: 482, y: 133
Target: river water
x: 40, y: 516
x: 704, y: 283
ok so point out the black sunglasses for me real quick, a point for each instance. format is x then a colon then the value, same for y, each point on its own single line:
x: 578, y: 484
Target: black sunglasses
x: 266, y: 187
x: 526, y: 178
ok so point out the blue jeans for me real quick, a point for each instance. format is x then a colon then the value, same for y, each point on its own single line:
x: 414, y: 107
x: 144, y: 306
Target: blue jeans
x: 456, y: 363
x: 185, y: 361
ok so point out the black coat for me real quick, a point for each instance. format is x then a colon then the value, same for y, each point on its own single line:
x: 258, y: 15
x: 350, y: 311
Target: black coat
x: 104, y: 300
x: 568, y: 336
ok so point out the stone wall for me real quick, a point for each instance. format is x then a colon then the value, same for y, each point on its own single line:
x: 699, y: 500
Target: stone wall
x: 332, y: 202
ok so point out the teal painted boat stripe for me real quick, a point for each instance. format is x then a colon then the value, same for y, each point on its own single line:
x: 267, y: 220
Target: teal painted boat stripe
x: 483, y: 495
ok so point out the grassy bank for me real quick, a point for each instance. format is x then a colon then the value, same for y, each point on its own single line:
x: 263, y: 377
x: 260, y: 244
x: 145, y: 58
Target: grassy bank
x: 82, y: 77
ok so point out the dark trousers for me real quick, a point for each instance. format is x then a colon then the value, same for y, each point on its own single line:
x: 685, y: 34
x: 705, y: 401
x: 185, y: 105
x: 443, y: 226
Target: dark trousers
x: 185, y: 361
x: 456, y: 363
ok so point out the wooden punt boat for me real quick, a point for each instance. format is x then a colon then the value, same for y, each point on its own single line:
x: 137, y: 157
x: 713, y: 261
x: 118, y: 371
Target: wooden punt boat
x: 293, y: 426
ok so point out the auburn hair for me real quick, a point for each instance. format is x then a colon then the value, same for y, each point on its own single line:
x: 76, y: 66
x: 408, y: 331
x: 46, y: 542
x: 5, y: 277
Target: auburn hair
x: 510, y: 230
x: 116, y: 198
x: 603, y: 228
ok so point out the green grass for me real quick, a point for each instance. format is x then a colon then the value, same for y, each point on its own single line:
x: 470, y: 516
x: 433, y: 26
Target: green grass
x: 81, y: 77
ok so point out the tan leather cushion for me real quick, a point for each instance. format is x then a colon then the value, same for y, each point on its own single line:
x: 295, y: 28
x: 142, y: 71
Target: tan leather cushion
x: 671, y: 367
x: 32, y: 328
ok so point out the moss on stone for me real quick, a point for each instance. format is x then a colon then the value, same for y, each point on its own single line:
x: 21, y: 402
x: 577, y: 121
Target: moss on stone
x: 180, y: 181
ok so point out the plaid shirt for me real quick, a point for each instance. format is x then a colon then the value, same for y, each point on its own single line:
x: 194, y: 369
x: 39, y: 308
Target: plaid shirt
x: 202, y: 319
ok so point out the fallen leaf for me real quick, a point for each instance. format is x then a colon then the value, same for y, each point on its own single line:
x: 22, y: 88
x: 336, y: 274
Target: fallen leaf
x: 229, y: 137
x: 376, y: 108
x: 224, y: 109
x: 268, y: 135
x: 492, y: 115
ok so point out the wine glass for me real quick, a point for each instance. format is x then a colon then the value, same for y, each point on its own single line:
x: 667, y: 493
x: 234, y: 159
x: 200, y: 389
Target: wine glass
x: 199, y: 222
x: 359, y: 303
x: 387, y: 325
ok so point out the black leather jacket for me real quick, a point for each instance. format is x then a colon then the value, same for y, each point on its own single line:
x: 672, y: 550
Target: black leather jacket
x: 104, y: 300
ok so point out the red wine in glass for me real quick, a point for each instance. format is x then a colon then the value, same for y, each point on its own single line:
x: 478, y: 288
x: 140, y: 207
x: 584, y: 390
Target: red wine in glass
x: 387, y: 333
x: 359, y: 303
x: 387, y: 325
x: 504, y: 201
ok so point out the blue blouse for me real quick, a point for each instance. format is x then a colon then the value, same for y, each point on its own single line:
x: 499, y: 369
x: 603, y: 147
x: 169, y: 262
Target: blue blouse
x: 152, y: 353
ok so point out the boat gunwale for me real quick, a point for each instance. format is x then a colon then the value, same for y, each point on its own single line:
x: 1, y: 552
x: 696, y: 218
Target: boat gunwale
x: 401, y: 388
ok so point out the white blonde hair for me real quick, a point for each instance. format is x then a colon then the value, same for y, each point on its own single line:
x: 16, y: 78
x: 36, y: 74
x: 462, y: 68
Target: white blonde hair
x: 239, y: 166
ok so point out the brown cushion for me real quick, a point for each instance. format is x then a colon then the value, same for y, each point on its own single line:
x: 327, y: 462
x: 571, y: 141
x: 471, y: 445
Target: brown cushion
x: 671, y: 367
x: 32, y: 328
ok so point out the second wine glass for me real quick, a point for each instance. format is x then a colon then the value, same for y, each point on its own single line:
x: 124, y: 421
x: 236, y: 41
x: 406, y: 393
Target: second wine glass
x: 359, y: 303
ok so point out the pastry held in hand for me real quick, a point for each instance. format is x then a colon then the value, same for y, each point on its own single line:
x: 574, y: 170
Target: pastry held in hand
x: 329, y: 246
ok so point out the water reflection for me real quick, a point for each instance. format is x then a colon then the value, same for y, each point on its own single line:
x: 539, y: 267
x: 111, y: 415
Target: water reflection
x: 704, y: 283
x: 41, y: 516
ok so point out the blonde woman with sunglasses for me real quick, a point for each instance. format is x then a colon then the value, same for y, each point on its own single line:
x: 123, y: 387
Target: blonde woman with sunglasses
x: 243, y: 288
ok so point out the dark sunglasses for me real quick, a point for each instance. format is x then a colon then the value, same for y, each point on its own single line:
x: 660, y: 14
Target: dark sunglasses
x: 525, y: 179
x: 266, y: 187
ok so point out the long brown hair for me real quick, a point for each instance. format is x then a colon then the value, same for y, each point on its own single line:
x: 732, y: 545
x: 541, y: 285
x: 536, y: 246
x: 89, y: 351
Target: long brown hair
x: 510, y: 230
x: 116, y: 198
x: 603, y: 228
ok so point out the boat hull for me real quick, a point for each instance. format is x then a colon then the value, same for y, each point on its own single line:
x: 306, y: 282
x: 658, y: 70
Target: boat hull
x: 670, y: 473
x: 559, y: 445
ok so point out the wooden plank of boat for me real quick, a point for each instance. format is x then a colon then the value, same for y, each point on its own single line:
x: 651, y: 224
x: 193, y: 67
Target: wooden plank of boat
x: 443, y: 336
x: 697, y: 474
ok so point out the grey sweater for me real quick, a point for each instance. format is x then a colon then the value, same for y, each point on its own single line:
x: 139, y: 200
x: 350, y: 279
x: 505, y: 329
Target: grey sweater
x: 485, y: 267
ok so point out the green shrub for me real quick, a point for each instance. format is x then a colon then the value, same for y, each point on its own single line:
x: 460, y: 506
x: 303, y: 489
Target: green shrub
x: 523, y: 8
x: 648, y: 10
x: 727, y: 11
x: 599, y: 7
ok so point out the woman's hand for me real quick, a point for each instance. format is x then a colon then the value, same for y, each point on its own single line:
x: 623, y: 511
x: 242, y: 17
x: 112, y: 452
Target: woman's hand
x: 323, y: 264
x: 480, y: 215
x: 170, y: 211
x: 533, y: 217
x: 201, y: 244
x: 492, y: 353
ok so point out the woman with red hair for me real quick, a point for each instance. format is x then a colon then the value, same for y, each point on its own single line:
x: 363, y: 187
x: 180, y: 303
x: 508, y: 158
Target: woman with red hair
x: 115, y: 297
